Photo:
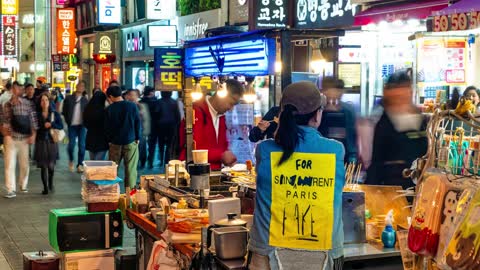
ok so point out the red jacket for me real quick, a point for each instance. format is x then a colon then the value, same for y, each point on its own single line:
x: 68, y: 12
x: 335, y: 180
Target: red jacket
x: 204, y: 135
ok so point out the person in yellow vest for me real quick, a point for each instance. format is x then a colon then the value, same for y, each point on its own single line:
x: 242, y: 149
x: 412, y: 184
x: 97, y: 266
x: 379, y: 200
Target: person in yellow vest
x: 300, y: 177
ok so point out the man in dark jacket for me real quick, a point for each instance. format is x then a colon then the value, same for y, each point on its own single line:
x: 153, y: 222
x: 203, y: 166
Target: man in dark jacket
x: 338, y: 118
x: 400, y: 135
x: 122, y: 129
x: 167, y: 123
x: 73, y: 108
x: 150, y: 100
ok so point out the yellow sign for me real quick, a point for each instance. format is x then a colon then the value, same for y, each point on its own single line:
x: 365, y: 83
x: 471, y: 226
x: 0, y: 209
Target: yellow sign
x: 9, y: 7
x: 302, y: 201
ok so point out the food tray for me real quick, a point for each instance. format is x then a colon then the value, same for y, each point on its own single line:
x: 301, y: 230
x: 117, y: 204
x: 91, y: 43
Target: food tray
x: 100, y: 170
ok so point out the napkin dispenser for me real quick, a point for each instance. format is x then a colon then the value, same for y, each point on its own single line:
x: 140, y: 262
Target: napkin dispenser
x: 353, y: 214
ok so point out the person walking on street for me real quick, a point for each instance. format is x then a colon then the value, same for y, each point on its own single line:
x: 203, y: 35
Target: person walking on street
x: 46, y: 150
x: 122, y: 128
x: 150, y: 100
x: 19, y: 131
x: 29, y: 92
x: 132, y: 96
x: 94, y: 121
x: 73, y: 108
x: 168, y: 122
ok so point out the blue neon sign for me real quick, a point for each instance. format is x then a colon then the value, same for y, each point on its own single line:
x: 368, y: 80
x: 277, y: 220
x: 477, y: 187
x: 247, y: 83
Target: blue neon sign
x: 253, y: 57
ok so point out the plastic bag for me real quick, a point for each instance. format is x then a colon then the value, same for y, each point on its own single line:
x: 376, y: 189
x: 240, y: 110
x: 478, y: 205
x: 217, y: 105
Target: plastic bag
x: 162, y: 258
x: 423, y: 235
x: 463, y: 249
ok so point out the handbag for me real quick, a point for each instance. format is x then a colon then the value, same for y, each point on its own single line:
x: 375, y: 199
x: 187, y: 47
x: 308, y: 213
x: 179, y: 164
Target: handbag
x: 21, y: 124
x: 57, y: 134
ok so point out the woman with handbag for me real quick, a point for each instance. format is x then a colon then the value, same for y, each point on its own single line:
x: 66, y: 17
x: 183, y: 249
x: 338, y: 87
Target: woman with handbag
x: 46, y: 148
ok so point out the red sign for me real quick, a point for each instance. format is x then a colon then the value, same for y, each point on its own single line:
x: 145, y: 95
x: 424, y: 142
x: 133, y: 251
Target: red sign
x: 106, y: 76
x: 65, y: 30
x: 9, y: 32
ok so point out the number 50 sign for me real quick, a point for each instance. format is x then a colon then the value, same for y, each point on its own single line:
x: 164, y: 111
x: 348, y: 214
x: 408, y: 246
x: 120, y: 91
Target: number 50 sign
x: 456, y: 22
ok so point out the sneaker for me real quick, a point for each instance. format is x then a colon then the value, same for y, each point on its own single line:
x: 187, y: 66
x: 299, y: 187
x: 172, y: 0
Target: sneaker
x: 70, y: 166
x: 24, y: 190
x: 10, y: 195
x: 80, y: 168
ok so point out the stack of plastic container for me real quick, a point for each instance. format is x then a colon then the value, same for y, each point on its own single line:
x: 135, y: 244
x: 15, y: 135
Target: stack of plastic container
x: 100, y: 186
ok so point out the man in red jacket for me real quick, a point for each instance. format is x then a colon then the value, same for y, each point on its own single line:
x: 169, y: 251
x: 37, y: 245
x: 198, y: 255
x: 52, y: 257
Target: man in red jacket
x: 209, y: 128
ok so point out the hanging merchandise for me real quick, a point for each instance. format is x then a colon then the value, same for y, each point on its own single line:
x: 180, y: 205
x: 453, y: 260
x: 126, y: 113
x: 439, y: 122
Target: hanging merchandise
x: 446, y: 215
x: 463, y: 249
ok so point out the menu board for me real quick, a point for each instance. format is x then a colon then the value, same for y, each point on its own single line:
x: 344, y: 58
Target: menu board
x: 351, y: 74
x: 442, y: 61
x: 239, y: 122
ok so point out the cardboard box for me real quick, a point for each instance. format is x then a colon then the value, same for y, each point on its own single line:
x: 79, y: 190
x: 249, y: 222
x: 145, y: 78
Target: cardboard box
x: 89, y: 260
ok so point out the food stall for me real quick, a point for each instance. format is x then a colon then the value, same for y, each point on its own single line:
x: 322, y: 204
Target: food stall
x: 189, y: 203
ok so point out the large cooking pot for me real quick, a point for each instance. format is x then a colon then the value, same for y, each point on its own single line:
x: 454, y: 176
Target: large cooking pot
x: 230, y: 236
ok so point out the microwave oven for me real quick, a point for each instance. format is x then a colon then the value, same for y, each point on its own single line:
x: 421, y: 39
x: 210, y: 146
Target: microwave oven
x: 75, y: 229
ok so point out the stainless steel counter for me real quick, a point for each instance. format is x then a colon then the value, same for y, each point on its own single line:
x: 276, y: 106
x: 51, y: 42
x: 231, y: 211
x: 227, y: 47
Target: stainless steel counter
x: 366, y: 251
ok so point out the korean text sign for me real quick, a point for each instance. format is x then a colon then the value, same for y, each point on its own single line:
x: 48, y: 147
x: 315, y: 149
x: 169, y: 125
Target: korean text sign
x: 9, y: 30
x: 65, y: 30
x: 168, y: 69
x: 9, y: 7
x: 324, y: 13
x: 272, y: 13
x: 302, y: 201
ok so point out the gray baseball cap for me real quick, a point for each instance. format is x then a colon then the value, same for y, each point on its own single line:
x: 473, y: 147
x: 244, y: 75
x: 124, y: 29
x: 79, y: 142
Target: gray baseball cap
x: 304, y: 96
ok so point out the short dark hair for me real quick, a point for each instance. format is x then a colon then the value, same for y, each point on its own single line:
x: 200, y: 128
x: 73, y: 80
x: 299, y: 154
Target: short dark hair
x: 17, y: 83
x: 29, y: 85
x: 332, y: 82
x: 132, y: 90
x: 114, y: 91
x: 166, y: 94
x: 234, y: 87
x: 147, y: 90
x: 398, y: 79
x: 83, y: 81
x: 112, y: 82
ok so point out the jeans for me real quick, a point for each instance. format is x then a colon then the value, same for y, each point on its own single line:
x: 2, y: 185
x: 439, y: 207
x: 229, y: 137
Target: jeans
x: 97, y: 155
x: 16, y: 149
x: 129, y: 154
x: 166, y: 138
x: 74, y: 133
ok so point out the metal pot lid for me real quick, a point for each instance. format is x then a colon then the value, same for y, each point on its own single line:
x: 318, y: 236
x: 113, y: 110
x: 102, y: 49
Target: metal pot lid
x: 231, y: 220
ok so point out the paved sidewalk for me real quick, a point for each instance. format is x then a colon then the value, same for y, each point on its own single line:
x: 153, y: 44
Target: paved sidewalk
x: 24, y: 219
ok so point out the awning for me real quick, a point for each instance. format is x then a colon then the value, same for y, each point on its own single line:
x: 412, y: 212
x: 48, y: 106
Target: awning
x: 406, y: 11
x: 464, y: 6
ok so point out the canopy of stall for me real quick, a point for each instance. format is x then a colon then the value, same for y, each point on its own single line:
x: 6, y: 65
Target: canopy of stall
x: 404, y: 11
x: 464, y: 6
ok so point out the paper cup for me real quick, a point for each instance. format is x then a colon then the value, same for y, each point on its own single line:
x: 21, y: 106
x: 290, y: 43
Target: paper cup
x: 200, y: 156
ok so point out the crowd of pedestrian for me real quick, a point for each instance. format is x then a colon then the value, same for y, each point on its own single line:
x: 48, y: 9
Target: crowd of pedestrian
x: 124, y: 124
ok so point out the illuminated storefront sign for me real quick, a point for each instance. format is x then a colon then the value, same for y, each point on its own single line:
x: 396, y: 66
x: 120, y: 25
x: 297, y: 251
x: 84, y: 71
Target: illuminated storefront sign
x: 65, y: 30
x: 105, y: 43
x: 272, y: 14
x: 109, y: 12
x: 9, y: 7
x: 168, y: 69
x: 161, y: 9
x: 253, y: 57
x: 324, y: 14
x: 9, y: 35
